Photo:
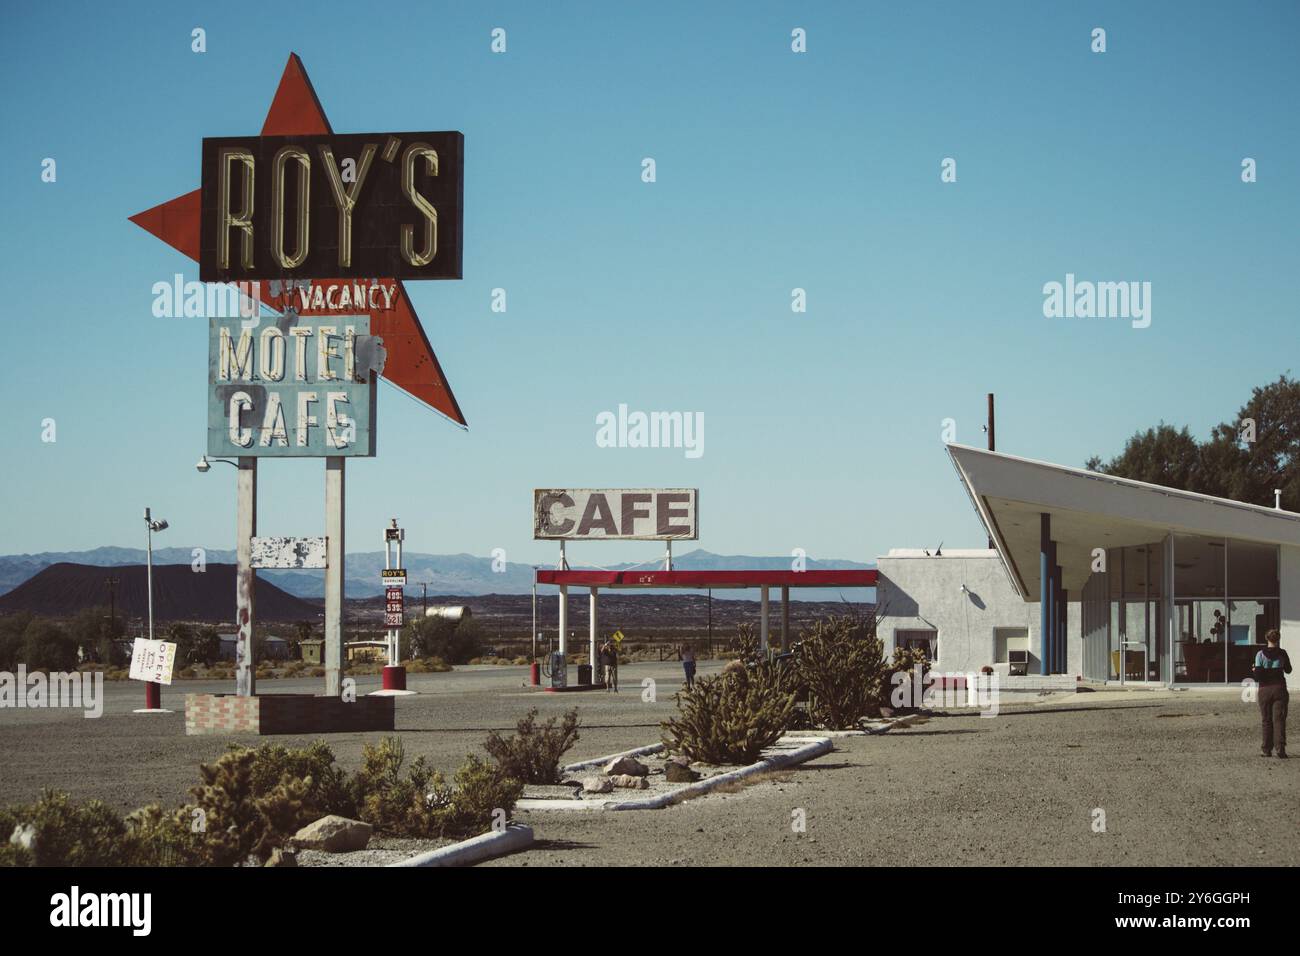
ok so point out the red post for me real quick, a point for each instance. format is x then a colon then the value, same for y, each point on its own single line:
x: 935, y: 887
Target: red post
x: 152, y: 695
x: 394, y: 678
x: 535, y: 674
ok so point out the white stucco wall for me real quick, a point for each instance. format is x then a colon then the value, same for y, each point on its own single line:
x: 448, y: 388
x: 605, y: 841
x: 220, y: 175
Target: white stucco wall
x: 916, y: 591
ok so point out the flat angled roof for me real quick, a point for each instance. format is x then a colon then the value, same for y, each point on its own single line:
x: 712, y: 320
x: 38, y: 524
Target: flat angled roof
x: 1091, y: 510
x: 850, y: 578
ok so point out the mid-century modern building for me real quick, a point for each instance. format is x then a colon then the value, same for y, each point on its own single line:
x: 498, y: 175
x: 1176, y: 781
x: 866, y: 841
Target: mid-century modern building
x: 1098, y: 577
x: 960, y: 607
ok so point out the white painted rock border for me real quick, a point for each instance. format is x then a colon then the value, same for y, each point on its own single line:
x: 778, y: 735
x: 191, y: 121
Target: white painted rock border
x: 790, y: 750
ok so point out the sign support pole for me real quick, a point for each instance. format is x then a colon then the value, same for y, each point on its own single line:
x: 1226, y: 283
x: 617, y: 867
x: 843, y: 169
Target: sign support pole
x: 335, y: 558
x: 245, y: 576
x: 592, y: 628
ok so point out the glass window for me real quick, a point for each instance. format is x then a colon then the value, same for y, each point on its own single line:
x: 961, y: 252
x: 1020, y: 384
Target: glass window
x: 1201, y: 635
x: 926, y: 640
x: 1009, y: 639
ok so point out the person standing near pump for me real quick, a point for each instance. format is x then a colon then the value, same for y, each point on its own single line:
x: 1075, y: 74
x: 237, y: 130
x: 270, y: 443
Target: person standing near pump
x: 604, y: 658
x: 687, y: 655
x: 611, y: 679
x: 1271, y: 667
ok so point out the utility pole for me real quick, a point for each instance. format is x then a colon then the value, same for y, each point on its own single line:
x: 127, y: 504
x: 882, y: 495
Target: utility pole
x: 710, y: 622
x: 424, y: 598
x: 111, y: 584
x: 993, y: 444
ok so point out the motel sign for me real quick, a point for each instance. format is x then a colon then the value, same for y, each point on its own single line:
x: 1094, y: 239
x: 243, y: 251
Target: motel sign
x: 292, y: 386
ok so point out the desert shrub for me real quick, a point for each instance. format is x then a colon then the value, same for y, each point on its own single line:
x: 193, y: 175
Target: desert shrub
x: 427, y: 665
x: 903, y: 668
x: 47, y: 647
x: 244, y: 814
x: 453, y: 641
x: 420, y: 804
x: 205, y: 646
x: 66, y: 834
x: 327, y: 787
x: 532, y: 754
x: 731, y: 717
x: 478, y: 791
x: 747, y: 644
x: 393, y: 802
x: 842, y: 664
x: 12, y: 628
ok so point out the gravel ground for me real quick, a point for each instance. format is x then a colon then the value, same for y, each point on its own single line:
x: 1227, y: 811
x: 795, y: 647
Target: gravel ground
x: 381, y: 851
x: 1177, y: 775
x: 131, y: 759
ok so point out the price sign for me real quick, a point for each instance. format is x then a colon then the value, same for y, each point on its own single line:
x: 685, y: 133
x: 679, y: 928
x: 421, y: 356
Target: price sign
x: 394, y: 607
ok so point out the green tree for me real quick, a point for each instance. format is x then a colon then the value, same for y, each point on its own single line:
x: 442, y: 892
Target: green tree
x: 47, y: 647
x: 456, y: 642
x: 1161, y: 456
x: 1244, y: 459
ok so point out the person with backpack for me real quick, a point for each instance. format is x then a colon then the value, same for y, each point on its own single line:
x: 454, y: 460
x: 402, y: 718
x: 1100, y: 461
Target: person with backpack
x: 688, y: 665
x: 1271, y: 667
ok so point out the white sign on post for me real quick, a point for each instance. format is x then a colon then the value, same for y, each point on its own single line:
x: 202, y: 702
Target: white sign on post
x: 152, y: 661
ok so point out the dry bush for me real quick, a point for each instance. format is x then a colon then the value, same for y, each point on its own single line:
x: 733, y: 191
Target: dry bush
x: 841, y: 663
x: 532, y: 754
x: 731, y: 718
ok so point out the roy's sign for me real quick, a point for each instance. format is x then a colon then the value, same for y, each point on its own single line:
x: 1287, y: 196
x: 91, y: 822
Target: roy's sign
x: 612, y: 514
x: 357, y: 205
x: 293, y: 386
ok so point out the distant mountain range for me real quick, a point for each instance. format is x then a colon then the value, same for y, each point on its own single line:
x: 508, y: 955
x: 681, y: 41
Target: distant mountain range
x: 178, y: 593
x: 461, y: 575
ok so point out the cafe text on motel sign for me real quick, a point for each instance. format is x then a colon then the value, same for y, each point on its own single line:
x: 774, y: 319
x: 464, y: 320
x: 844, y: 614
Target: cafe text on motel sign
x: 654, y: 514
x: 292, y: 386
x: 355, y: 205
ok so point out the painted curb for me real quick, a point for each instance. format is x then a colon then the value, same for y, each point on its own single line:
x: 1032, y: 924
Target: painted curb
x: 601, y: 761
x: 869, y: 729
x: 515, y: 837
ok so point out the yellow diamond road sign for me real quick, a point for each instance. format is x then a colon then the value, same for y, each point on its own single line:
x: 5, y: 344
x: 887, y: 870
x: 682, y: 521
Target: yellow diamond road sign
x: 618, y: 637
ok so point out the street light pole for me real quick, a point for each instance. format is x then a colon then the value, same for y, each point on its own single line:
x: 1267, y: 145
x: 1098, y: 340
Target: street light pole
x: 152, y: 689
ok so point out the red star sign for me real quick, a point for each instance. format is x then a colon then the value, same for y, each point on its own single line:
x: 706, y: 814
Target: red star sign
x: 411, y: 364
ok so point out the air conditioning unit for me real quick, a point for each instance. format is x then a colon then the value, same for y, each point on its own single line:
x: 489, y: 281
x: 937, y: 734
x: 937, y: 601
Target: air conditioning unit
x: 1019, y: 661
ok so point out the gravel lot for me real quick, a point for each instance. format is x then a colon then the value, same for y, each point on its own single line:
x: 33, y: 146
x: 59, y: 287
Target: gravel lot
x: 131, y: 759
x: 1177, y: 775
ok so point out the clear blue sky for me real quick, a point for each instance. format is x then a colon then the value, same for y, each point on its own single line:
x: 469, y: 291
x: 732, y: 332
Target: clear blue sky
x: 775, y: 171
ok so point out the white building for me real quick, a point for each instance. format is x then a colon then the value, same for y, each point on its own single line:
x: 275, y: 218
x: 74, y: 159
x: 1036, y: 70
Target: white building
x: 961, y: 608
x: 1101, y: 578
